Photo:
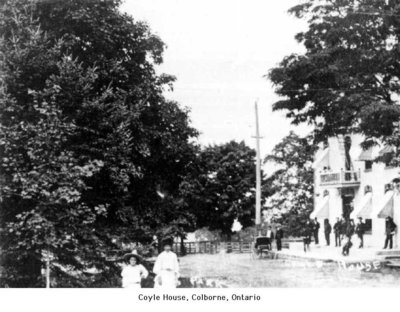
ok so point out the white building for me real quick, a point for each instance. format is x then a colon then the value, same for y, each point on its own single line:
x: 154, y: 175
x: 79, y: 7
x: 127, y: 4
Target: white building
x: 348, y: 182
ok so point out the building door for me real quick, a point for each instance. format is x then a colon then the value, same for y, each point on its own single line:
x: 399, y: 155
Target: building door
x: 347, y: 202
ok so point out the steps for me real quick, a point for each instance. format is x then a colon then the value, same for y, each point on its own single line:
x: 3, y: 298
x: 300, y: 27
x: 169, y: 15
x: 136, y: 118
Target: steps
x: 389, y: 253
x: 391, y: 257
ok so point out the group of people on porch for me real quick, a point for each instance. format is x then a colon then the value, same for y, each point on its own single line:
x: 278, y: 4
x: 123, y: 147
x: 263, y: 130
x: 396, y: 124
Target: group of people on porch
x: 344, y: 230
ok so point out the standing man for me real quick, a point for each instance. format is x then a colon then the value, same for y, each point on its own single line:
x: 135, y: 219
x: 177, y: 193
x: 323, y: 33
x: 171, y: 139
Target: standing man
x: 327, y: 231
x: 360, y: 230
x: 166, y: 267
x: 316, y: 231
x: 278, y: 237
x: 270, y: 236
x: 390, y: 230
x: 337, y: 228
x: 343, y: 228
x: 349, y: 233
x: 307, y: 232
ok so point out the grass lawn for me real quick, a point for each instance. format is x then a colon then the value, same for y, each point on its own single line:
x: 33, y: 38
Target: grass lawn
x: 239, y: 270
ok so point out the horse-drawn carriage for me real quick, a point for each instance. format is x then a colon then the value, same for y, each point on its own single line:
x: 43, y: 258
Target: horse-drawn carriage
x: 261, y: 245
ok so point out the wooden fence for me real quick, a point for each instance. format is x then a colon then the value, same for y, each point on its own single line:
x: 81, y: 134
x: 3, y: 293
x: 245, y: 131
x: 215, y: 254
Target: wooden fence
x: 213, y: 247
x: 207, y: 247
x: 238, y: 247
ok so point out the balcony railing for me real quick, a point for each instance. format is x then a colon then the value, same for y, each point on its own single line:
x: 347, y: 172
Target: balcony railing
x: 341, y: 178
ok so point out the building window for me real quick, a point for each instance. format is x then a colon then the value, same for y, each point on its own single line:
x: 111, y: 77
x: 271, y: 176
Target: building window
x: 386, y: 155
x: 388, y: 187
x: 368, y: 226
x: 388, y: 160
x: 368, y: 165
x: 367, y: 189
x: 396, y: 184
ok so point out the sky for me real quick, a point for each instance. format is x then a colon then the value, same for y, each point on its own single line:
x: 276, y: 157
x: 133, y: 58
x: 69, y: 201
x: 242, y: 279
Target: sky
x: 220, y: 50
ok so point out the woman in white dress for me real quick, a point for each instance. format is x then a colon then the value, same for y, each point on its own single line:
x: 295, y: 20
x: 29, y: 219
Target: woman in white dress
x: 133, y: 272
x: 166, y: 268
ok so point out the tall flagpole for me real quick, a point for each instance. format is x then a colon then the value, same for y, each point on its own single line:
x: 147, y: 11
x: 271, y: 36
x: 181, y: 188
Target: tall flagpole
x: 258, y: 169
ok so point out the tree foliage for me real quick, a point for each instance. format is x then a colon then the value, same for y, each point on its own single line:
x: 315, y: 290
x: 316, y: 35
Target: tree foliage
x: 87, y: 138
x: 290, y: 188
x: 348, y: 78
x: 220, y: 186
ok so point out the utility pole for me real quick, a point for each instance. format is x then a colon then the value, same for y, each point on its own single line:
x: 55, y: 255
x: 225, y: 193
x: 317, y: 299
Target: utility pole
x: 48, y: 270
x: 258, y: 169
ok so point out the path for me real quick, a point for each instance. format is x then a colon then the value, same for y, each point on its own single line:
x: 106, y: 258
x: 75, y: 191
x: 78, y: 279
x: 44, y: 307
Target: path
x: 239, y: 270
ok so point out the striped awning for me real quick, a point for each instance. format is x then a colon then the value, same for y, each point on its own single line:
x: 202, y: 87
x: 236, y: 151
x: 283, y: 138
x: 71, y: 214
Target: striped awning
x: 366, y: 155
x: 386, y: 150
x: 386, y: 207
x: 322, y: 209
x: 364, y: 209
x: 321, y: 157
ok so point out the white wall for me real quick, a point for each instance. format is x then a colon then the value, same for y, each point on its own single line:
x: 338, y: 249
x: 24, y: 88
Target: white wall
x: 377, y: 177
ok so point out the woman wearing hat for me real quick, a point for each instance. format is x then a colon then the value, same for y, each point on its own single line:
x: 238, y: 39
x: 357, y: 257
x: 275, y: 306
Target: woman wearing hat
x: 133, y: 272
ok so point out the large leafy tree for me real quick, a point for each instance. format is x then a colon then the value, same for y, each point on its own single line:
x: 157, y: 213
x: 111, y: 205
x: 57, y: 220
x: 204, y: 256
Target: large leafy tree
x: 124, y: 53
x: 220, y: 187
x: 290, y: 188
x: 42, y: 179
x: 87, y: 138
x: 348, y: 78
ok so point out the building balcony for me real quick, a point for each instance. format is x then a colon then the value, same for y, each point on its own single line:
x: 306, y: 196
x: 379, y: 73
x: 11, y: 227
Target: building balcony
x: 340, y: 179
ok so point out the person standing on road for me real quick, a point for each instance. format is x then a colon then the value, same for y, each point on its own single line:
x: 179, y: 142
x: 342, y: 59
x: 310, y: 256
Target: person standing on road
x: 278, y: 237
x: 133, y: 273
x: 336, y: 229
x: 349, y: 233
x: 270, y: 236
x: 390, y: 230
x: 307, y: 233
x: 327, y: 231
x: 360, y: 230
x: 166, y: 267
x: 316, y: 231
x: 343, y: 228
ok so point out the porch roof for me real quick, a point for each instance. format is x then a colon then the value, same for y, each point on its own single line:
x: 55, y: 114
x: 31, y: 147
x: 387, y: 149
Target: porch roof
x: 386, y: 207
x: 322, y: 209
x: 364, y: 209
x: 321, y: 157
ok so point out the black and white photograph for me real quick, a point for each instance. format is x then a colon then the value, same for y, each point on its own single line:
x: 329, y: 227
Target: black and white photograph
x: 161, y: 145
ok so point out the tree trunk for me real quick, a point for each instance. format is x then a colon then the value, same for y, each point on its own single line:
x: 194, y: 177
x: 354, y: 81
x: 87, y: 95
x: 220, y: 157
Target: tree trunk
x: 159, y: 245
x: 183, y: 249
